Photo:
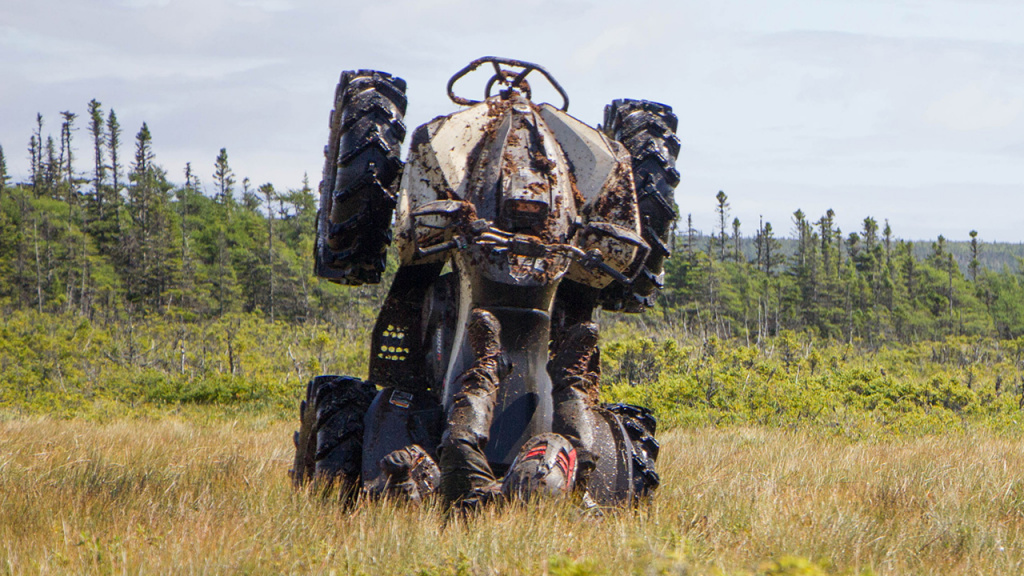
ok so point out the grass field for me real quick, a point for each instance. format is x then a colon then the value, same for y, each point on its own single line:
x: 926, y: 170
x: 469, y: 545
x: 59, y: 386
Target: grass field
x: 208, y: 493
x: 160, y: 447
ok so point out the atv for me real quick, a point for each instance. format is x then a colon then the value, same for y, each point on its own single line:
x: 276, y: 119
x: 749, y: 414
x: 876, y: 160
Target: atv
x: 514, y: 222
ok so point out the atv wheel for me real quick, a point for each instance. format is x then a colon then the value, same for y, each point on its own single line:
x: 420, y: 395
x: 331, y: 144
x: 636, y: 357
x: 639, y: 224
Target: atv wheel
x: 640, y: 426
x: 647, y: 130
x: 329, y: 442
x: 361, y: 176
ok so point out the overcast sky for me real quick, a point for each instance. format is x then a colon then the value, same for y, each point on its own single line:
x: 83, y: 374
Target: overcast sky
x: 901, y: 110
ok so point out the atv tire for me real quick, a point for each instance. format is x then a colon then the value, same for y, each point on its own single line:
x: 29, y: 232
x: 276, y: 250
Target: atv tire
x: 648, y: 131
x: 640, y: 426
x: 362, y: 170
x: 329, y: 442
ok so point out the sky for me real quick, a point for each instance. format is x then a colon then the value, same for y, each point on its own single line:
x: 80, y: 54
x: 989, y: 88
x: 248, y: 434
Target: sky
x: 906, y: 111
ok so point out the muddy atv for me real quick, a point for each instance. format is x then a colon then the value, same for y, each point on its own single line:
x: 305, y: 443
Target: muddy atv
x: 514, y: 222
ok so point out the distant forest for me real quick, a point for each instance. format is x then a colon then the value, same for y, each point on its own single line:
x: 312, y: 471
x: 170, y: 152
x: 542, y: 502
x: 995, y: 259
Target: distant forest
x: 101, y: 230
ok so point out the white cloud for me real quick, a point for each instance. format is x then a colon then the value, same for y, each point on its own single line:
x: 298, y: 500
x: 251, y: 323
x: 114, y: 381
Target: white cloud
x: 972, y: 108
x: 50, y: 59
x: 144, y: 3
x: 266, y: 5
x: 29, y: 42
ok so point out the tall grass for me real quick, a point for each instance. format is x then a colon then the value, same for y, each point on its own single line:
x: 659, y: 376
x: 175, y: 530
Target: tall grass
x: 210, y: 495
x: 155, y: 446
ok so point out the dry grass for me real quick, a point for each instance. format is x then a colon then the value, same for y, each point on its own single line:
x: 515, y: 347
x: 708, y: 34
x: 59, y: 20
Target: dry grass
x: 194, y: 496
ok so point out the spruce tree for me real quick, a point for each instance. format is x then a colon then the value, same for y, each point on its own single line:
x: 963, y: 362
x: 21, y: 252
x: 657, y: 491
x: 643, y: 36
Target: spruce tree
x: 691, y: 236
x: 114, y: 147
x: 33, y: 154
x: 887, y: 240
x: 224, y: 178
x: 51, y: 169
x: 141, y: 191
x: 772, y: 250
x: 4, y: 177
x: 152, y: 260
x: 69, y: 184
x: 737, y: 248
x: 759, y: 244
x: 805, y: 271
x: 975, y: 253
x: 870, y: 232
x: 99, y: 170
x: 67, y: 176
x: 723, y: 214
x: 67, y: 128
x: 136, y: 250
x: 36, y: 151
x: 826, y: 236
x: 803, y: 237
x: 268, y: 193
x: 250, y: 199
x: 183, y: 199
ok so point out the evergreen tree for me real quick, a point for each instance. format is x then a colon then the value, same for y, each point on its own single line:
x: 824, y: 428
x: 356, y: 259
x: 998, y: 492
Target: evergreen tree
x: 4, y: 176
x: 140, y: 194
x: 197, y: 220
x: 759, y: 243
x: 887, y: 239
x: 975, y: 253
x: 67, y: 127
x: 114, y: 147
x: 737, y: 249
x: 268, y: 193
x: 250, y: 201
x: 802, y: 229
x: 149, y: 256
x: 723, y: 214
x: 52, y: 170
x: 691, y: 237
x: 76, y: 279
x: 183, y: 204
x: 67, y: 178
x: 804, y: 272
x: 224, y: 178
x: 772, y: 250
x: 99, y: 171
x: 36, y: 152
x: 34, y: 147
x: 870, y: 232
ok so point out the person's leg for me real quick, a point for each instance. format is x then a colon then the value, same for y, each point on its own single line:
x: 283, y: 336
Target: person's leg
x: 574, y: 388
x: 465, y: 472
x: 615, y: 443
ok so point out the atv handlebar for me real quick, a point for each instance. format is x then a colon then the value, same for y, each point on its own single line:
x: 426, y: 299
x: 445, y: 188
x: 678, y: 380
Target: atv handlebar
x: 502, y: 76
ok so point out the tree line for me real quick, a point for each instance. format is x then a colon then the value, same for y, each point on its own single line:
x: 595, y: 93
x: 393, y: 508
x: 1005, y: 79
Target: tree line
x: 110, y: 235
x: 867, y: 286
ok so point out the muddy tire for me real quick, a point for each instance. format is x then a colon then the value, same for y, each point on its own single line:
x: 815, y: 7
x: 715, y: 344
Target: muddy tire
x: 329, y: 442
x: 362, y: 170
x: 640, y: 426
x: 648, y: 131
